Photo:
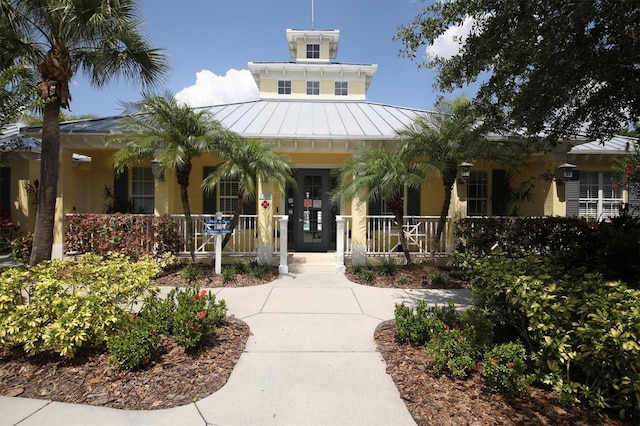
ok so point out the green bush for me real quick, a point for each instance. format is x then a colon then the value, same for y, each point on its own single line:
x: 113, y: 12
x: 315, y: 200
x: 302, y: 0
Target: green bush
x: 196, y: 314
x: 504, y: 369
x: 584, y: 330
x: 21, y: 248
x: 368, y: 276
x: 240, y: 266
x: 260, y: 271
x: 414, y: 326
x: 452, y: 351
x: 135, y: 344
x: 64, y: 305
x: 229, y: 275
x: 191, y: 274
x: 438, y: 279
x: 388, y: 267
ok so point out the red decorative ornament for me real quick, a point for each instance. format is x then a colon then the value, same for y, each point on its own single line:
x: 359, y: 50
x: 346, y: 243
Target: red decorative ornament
x: 265, y: 204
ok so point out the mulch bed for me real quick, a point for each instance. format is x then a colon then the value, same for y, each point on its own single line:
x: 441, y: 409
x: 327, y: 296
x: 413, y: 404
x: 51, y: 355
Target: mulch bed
x: 177, y: 378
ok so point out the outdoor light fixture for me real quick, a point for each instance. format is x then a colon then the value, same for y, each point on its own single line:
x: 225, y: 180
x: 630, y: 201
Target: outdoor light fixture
x: 156, y: 170
x: 566, y: 172
x: 465, y: 171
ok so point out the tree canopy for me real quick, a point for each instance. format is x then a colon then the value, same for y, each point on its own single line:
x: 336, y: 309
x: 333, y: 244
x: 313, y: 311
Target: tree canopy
x: 561, y: 67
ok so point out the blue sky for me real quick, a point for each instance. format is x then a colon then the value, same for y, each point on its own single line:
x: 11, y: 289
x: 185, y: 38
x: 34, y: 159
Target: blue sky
x: 205, y: 39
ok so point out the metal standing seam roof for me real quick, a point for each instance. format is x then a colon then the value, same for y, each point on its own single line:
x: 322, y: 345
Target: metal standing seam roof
x: 287, y: 119
x: 615, y: 145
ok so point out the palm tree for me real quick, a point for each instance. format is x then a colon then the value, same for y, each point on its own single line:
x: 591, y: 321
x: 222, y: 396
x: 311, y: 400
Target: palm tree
x: 249, y: 161
x: 58, y: 37
x: 446, y: 139
x: 158, y: 128
x: 377, y: 174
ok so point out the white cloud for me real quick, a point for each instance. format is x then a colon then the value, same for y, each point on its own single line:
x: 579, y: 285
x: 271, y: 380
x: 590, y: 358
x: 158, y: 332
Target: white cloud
x: 448, y: 44
x: 211, y: 89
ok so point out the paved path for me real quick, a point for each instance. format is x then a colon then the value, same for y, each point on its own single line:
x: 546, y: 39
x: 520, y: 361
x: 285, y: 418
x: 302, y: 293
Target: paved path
x: 311, y: 359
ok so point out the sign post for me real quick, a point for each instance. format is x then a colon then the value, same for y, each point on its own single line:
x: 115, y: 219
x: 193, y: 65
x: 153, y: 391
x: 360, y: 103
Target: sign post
x: 218, y: 227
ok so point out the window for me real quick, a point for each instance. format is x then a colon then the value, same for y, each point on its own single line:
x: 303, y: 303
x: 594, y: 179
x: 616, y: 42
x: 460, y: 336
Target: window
x: 313, y: 51
x: 313, y: 87
x: 342, y: 88
x: 284, y: 87
x: 142, y: 190
x: 600, y: 194
x: 477, y: 193
x: 228, y: 192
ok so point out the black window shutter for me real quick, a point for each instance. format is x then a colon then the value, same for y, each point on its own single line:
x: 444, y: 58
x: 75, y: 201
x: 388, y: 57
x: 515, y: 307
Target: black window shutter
x: 121, y: 191
x: 5, y: 191
x: 250, y: 207
x: 413, y: 201
x: 573, y: 194
x: 375, y: 207
x: 208, y: 196
x: 499, y: 192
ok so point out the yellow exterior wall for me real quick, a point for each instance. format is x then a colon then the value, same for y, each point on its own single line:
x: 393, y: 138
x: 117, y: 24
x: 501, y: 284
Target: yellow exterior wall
x: 23, y: 207
x: 299, y: 87
x: 269, y: 86
x: 357, y: 88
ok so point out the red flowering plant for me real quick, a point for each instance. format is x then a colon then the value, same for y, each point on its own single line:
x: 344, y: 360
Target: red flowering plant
x: 504, y: 369
x: 195, y: 313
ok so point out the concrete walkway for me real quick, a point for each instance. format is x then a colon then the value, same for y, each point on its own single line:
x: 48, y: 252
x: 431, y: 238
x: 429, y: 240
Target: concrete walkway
x: 311, y: 359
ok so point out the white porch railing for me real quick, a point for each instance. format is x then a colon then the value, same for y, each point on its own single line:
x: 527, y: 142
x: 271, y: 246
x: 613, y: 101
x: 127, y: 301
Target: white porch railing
x: 382, y: 236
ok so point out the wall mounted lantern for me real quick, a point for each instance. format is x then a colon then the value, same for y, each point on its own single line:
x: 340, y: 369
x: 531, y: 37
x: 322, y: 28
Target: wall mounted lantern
x: 465, y: 171
x: 566, y: 172
x: 156, y: 169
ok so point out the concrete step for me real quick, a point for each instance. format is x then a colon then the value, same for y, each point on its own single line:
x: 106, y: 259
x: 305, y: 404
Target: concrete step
x: 312, y: 262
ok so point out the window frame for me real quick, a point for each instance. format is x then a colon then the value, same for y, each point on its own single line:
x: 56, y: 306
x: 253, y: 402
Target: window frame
x: 143, y: 202
x: 341, y: 88
x: 593, y: 200
x: 313, y: 87
x: 313, y: 51
x: 478, y: 204
x: 284, y: 87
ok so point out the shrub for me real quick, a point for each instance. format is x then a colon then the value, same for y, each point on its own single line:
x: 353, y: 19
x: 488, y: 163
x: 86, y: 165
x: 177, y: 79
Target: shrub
x: 241, y: 267
x: 452, y: 351
x: 414, y: 326
x: 438, y: 279
x: 229, y: 275
x: 387, y: 267
x: 132, y: 235
x: 196, y: 314
x: 21, y: 248
x: 584, y: 330
x: 64, y: 305
x: 504, y: 369
x: 260, y: 271
x: 368, y: 276
x: 191, y: 274
x: 135, y: 344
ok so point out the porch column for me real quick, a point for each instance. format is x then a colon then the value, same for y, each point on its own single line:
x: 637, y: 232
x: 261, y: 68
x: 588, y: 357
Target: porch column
x: 161, y: 196
x: 340, y: 244
x: 65, y: 202
x: 284, y: 250
x: 359, y: 231
x: 265, y: 224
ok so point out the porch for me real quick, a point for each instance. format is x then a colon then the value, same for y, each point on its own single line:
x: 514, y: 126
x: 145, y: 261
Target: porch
x: 381, y: 237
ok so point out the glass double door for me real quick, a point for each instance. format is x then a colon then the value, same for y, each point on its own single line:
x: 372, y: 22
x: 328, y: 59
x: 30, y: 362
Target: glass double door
x: 311, y: 216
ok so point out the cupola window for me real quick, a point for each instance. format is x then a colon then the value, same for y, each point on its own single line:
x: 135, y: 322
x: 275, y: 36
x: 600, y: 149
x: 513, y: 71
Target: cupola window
x: 313, y: 51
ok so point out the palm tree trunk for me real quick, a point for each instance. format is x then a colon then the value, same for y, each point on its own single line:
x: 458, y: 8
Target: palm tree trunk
x: 448, y: 182
x: 403, y: 238
x: 182, y: 175
x: 234, y: 221
x: 46, y: 206
x: 184, y: 197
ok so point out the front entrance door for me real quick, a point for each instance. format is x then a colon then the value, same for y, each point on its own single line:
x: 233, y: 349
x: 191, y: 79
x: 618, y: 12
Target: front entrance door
x: 311, y: 217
